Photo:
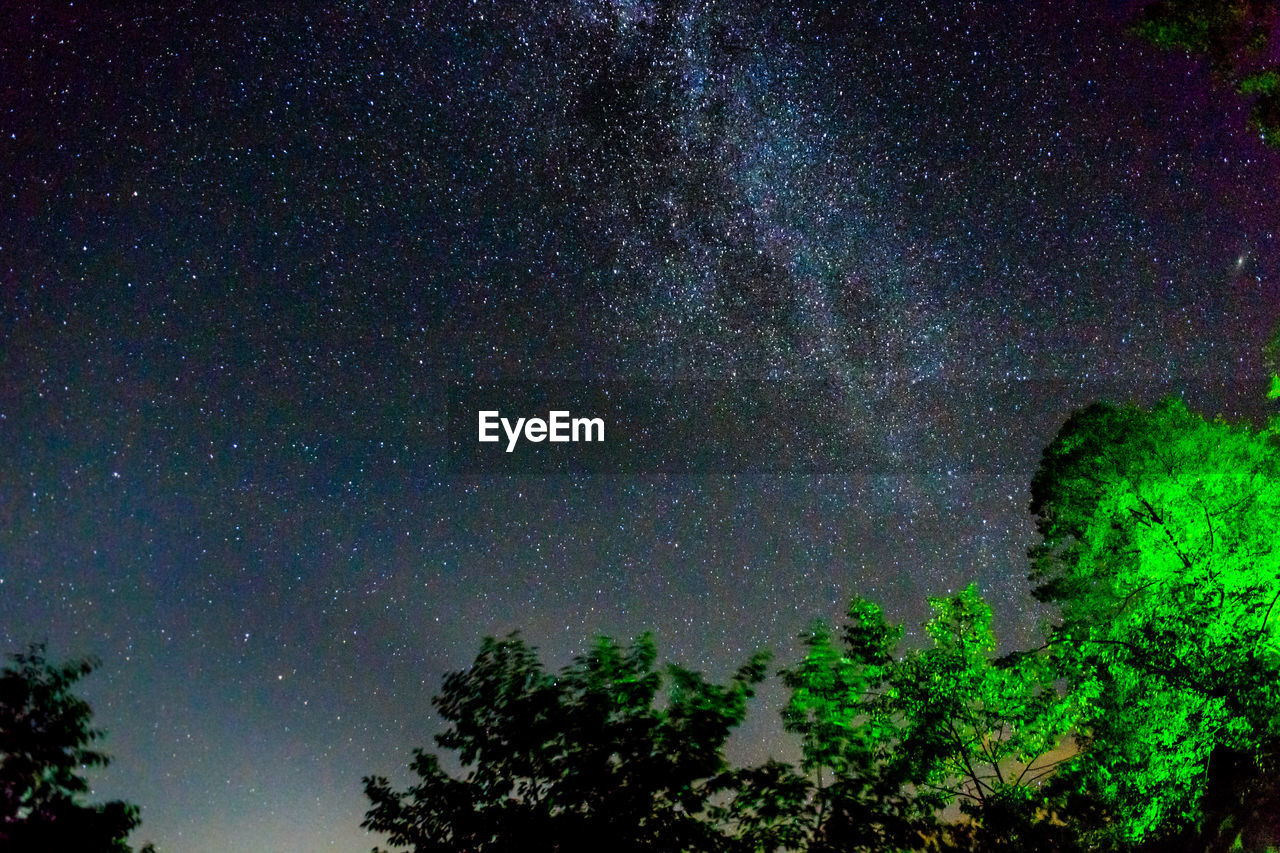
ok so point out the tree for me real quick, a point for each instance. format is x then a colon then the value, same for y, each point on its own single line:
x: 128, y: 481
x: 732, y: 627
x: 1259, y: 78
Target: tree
x: 1158, y: 547
x: 582, y: 760
x: 767, y: 809
x: 1271, y: 358
x: 1240, y: 38
x: 893, y: 739
x: 46, y: 741
x: 979, y: 730
x: 858, y: 799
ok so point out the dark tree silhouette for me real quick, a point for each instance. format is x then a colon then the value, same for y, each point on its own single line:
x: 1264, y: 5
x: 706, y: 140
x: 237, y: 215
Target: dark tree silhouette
x: 46, y: 741
x: 767, y: 811
x: 583, y: 760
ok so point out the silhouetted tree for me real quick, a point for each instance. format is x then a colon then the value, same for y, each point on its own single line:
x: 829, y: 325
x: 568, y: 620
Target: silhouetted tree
x: 1148, y: 720
x: 46, y: 742
x: 767, y: 809
x: 584, y: 760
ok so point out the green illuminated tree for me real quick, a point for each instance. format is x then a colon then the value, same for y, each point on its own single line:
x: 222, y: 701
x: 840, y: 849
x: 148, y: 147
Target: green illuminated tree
x: 848, y: 736
x: 582, y: 760
x: 890, y: 740
x: 46, y: 743
x: 980, y: 730
x: 1159, y: 533
x: 1271, y: 358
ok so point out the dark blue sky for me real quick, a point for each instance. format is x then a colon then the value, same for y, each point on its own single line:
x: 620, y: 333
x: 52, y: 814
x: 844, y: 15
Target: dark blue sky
x: 244, y: 252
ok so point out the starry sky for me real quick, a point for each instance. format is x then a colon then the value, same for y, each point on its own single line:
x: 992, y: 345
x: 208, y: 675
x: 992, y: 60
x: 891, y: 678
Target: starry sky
x: 244, y: 252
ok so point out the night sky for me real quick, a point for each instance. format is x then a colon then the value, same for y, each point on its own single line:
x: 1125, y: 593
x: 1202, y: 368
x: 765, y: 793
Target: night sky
x: 244, y: 252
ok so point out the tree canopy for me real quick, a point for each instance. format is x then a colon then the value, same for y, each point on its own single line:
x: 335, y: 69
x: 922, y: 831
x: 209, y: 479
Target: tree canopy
x: 581, y: 760
x: 1147, y: 718
x: 46, y: 743
x: 1159, y: 550
x: 856, y: 798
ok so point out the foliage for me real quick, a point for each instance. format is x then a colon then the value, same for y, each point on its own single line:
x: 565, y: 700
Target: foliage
x: 1234, y: 35
x: 46, y: 741
x: 1271, y: 358
x: 892, y: 739
x: 1158, y: 546
x: 1148, y: 720
x: 577, y: 761
x: 848, y: 738
x: 1219, y: 29
x: 768, y: 809
x: 978, y: 730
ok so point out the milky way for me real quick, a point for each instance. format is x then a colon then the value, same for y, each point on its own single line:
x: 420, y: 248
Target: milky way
x: 245, y: 253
